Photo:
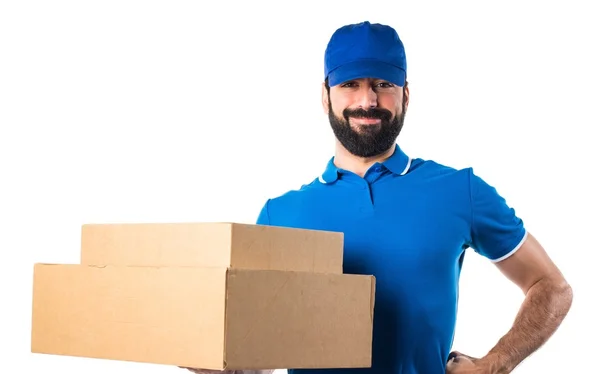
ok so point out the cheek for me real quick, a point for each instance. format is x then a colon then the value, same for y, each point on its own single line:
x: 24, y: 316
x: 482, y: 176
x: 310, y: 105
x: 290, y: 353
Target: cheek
x: 390, y: 103
x: 338, y: 106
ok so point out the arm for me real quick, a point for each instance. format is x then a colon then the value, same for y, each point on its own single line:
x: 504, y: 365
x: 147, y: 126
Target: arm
x: 548, y: 299
x: 498, y: 234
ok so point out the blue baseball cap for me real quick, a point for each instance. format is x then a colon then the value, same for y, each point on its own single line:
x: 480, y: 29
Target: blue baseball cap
x: 365, y: 50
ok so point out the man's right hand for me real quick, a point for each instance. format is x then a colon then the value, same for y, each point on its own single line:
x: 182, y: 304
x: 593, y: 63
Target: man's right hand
x: 209, y: 371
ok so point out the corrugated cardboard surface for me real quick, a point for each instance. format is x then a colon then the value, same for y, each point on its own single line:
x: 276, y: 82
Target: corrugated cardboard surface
x: 212, y: 244
x: 211, y: 318
x: 172, y: 316
x: 296, y: 320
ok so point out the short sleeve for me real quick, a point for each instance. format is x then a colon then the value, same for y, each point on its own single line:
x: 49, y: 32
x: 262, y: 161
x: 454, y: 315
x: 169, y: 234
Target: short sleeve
x: 496, y: 231
x: 263, y: 216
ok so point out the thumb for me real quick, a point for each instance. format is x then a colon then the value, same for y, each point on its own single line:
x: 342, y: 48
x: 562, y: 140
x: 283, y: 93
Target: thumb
x: 451, y: 365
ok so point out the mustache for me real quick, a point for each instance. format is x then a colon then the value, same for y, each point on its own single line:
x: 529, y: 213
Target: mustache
x: 374, y: 113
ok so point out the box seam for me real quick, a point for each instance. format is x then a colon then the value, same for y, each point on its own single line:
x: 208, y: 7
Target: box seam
x: 224, y: 364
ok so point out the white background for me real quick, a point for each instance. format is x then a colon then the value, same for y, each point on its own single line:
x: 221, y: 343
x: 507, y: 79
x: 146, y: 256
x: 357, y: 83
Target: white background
x: 164, y: 111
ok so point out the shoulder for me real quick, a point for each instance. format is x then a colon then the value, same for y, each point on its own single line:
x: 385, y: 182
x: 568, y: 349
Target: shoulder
x: 291, y: 201
x: 435, y: 173
x: 308, y: 191
x: 495, y: 228
x: 463, y: 181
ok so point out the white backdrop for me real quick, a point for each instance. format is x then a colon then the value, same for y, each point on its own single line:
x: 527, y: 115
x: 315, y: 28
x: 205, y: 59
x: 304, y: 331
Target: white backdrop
x: 164, y: 111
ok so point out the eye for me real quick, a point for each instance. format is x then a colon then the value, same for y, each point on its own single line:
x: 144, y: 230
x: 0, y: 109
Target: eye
x: 384, y: 84
x: 349, y: 84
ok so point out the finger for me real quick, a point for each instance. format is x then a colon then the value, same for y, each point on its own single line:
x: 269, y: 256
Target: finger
x: 456, y: 355
x: 451, y: 366
x: 453, y: 358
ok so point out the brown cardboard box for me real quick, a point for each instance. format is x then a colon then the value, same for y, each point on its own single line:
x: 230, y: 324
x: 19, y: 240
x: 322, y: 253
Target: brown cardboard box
x: 212, y: 244
x: 214, y: 318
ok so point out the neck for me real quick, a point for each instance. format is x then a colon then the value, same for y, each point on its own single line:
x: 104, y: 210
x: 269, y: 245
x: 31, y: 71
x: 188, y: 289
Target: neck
x: 357, y: 165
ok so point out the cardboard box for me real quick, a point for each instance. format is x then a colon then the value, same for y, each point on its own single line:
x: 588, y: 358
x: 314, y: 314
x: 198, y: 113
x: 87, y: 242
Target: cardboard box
x: 213, y: 318
x: 212, y: 245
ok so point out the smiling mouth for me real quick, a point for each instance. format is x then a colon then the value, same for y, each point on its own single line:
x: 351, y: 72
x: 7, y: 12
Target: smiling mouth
x: 366, y: 121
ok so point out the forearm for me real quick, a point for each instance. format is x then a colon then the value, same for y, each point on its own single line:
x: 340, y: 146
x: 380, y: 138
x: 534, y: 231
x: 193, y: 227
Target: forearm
x: 543, y: 310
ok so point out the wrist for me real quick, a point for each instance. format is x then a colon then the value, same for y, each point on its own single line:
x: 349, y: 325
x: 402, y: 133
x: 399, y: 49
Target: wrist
x: 494, y: 363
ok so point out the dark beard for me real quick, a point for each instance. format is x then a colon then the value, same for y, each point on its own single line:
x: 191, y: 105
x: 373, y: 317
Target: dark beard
x: 372, y: 140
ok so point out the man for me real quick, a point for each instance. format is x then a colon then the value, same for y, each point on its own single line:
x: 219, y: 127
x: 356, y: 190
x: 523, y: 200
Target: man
x: 409, y: 221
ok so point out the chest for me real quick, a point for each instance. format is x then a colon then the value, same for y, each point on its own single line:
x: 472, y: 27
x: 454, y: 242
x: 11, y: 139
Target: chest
x: 389, y: 235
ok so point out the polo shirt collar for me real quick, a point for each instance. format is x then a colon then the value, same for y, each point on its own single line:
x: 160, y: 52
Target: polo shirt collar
x: 398, y: 163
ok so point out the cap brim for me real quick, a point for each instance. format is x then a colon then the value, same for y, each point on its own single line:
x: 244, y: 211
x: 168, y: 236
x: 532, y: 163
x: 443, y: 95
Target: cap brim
x: 367, y: 69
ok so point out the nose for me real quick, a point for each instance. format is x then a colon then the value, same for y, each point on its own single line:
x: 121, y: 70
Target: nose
x: 367, y: 97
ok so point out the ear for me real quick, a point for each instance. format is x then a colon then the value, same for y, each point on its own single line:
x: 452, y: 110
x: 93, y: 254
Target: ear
x: 324, y: 98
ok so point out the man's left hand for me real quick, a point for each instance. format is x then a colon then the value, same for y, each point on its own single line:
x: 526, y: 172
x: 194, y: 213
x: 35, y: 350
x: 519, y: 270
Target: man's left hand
x: 460, y: 363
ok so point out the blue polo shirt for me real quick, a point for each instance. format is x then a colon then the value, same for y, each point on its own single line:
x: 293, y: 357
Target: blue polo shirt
x: 409, y: 223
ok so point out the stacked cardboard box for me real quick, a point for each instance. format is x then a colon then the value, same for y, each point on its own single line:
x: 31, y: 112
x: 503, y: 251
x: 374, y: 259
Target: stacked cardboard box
x: 206, y: 295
